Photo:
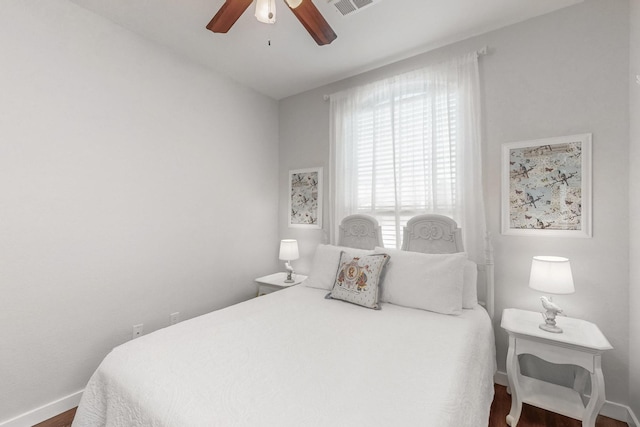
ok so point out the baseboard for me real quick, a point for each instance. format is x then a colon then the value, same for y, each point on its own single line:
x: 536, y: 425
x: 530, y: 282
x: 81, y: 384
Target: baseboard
x: 44, y: 412
x: 610, y: 409
x: 500, y: 378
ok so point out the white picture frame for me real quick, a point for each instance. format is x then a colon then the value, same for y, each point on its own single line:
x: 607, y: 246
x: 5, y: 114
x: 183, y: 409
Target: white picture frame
x: 547, y: 188
x: 305, y: 198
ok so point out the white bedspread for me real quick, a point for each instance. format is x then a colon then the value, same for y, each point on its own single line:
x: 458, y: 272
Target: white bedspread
x: 292, y: 358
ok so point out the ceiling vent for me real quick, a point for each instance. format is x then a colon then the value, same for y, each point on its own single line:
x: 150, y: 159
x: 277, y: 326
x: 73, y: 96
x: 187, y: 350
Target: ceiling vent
x: 347, y: 7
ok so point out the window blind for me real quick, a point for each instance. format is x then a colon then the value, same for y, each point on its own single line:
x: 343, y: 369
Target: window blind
x: 405, y: 159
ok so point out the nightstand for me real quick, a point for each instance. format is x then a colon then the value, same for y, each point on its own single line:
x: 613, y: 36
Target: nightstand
x: 275, y: 282
x: 581, y: 344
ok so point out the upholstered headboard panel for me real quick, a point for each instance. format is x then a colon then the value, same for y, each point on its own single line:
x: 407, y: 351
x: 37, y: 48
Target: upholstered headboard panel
x: 432, y: 234
x: 360, y: 231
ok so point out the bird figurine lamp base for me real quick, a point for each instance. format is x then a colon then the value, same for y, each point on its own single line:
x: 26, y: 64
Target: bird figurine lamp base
x: 289, y: 268
x: 549, y: 316
x: 549, y: 326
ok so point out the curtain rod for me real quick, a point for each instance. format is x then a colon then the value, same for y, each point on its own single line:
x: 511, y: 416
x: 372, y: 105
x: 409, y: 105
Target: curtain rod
x: 484, y: 50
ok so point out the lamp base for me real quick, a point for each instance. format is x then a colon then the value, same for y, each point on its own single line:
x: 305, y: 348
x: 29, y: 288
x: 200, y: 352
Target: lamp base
x: 550, y: 328
x: 289, y: 279
x: 549, y: 316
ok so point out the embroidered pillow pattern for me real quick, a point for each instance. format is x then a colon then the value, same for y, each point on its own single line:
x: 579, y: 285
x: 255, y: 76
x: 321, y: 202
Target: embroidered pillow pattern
x: 358, y: 279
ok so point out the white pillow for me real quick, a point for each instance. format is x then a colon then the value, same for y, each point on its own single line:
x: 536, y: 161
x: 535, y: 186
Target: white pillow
x: 325, y: 265
x: 430, y: 282
x: 470, y: 285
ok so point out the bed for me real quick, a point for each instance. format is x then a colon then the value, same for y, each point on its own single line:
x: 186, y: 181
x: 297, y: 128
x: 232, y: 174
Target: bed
x: 305, y: 357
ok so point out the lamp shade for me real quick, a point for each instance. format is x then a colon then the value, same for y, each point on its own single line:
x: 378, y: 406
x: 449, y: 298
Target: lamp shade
x: 266, y: 11
x: 289, y: 250
x: 551, y: 274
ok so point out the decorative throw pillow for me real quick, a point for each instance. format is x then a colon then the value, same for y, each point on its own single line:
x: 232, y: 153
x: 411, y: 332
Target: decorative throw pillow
x: 358, y: 278
x: 325, y: 264
x: 425, y: 281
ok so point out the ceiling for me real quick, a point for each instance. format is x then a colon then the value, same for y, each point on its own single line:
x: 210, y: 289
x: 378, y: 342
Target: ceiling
x: 282, y: 59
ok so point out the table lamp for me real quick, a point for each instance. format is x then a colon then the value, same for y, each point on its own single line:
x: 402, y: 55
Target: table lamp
x: 289, y: 252
x: 551, y: 274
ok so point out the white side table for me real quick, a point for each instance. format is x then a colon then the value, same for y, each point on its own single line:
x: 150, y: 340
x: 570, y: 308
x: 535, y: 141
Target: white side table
x: 275, y: 282
x: 581, y: 344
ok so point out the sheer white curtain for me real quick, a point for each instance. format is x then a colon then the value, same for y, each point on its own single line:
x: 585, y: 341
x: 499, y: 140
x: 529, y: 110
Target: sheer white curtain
x: 408, y: 145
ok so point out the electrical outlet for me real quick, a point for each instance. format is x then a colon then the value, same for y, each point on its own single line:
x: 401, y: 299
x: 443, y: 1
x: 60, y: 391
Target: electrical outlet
x: 137, y: 330
x: 174, y: 318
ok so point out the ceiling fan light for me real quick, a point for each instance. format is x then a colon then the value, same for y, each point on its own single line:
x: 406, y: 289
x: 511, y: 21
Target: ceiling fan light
x: 293, y: 3
x: 266, y: 11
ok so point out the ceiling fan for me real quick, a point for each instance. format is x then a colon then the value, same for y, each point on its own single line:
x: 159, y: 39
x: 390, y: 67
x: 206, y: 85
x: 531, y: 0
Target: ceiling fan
x: 306, y: 12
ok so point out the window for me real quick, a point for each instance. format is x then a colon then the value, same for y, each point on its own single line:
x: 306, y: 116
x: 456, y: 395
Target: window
x: 404, y: 162
x: 401, y: 147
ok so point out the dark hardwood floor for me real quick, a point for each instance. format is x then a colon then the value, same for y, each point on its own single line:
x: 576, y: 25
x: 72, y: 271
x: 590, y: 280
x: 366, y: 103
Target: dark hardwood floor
x: 63, y: 420
x: 536, y: 417
x: 531, y: 416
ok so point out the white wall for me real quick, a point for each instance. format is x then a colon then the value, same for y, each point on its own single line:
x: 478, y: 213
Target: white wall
x: 131, y: 187
x: 634, y: 198
x: 559, y: 74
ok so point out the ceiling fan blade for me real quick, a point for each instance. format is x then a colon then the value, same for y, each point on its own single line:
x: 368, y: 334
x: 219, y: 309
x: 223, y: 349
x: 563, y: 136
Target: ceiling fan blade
x: 228, y: 15
x: 313, y: 21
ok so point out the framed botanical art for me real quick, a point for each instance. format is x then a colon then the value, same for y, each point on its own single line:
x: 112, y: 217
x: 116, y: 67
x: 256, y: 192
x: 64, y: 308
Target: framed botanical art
x: 546, y: 187
x: 305, y: 198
